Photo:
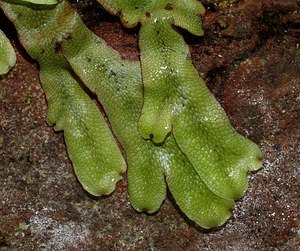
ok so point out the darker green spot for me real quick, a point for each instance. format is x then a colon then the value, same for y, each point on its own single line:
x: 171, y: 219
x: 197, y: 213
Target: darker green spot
x: 169, y: 6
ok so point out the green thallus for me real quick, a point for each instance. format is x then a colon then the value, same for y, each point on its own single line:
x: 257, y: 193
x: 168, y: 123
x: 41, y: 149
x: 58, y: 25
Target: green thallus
x: 165, y: 57
x: 202, y: 159
x: 7, y: 54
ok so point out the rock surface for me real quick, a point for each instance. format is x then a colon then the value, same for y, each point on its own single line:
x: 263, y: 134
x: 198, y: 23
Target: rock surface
x: 250, y: 59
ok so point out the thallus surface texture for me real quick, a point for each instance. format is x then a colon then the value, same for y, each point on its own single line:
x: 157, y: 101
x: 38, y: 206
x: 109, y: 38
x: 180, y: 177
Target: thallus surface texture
x: 205, y: 169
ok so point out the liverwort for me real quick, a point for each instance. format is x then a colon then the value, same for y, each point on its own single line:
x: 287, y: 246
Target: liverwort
x: 7, y: 54
x: 176, y: 99
x: 203, y: 161
x: 165, y: 57
x: 97, y: 160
